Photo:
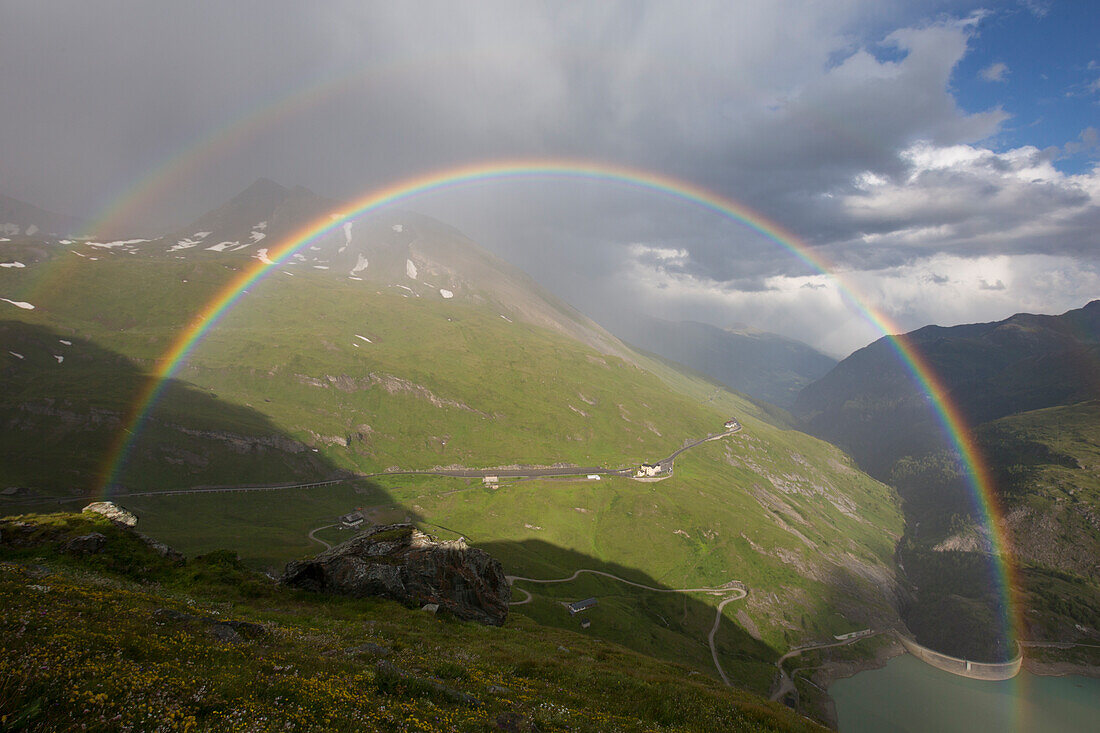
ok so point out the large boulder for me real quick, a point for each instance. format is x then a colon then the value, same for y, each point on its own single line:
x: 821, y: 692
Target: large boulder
x: 114, y: 512
x: 399, y: 561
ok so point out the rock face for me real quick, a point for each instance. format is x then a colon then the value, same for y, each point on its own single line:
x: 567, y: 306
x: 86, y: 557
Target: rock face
x: 87, y: 544
x: 400, y: 562
x: 113, y: 512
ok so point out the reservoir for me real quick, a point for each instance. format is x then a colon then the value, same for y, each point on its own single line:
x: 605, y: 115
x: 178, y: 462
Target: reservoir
x: 909, y: 695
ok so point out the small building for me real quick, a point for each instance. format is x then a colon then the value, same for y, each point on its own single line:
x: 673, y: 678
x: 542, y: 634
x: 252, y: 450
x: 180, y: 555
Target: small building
x: 491, y: 481
x: 585, y: 623
x: 593, y: 477
x: 732, y: 424
x: 577, y: 606
x: 649, y: 470
x: 352, y: 519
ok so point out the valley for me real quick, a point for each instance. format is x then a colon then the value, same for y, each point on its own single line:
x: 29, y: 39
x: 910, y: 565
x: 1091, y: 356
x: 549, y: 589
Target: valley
x: 374, y: 391
x: 474, y: 404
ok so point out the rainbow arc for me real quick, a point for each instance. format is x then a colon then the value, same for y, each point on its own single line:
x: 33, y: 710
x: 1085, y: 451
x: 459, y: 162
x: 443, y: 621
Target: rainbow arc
x: 948, y: 415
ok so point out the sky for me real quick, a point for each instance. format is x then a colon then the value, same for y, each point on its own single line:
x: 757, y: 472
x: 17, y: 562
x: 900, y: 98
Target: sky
x: 941, y: 154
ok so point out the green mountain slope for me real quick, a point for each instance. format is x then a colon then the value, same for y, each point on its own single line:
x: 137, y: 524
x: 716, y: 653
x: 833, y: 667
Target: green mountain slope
x: 317, y: 371
x: 870, y: 405
x: 1042, y: 461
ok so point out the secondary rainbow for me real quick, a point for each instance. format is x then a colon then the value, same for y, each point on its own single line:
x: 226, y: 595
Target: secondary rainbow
x: 947, y: 413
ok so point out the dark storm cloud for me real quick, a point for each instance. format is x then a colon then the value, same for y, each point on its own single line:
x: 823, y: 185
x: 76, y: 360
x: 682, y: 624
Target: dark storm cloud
x: 837, y: 122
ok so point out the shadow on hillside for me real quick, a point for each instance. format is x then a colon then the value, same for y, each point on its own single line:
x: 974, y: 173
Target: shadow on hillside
x: 62, y: 418
x: 661, y: 624
x: 66, y: 400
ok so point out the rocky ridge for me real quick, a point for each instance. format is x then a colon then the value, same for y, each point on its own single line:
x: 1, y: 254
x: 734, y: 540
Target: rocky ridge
x: 400, y: 562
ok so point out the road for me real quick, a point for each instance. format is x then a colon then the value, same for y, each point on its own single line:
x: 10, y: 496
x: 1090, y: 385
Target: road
x: 665, y: 468
x: 730, y: 587
x: 317, y: 539
x: 666, y: 464
x: 786, y: 684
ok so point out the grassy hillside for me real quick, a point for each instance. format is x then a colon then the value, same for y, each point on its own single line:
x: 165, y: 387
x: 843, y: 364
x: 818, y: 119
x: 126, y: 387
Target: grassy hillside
x: 123, y: 639
x: 284, y: 387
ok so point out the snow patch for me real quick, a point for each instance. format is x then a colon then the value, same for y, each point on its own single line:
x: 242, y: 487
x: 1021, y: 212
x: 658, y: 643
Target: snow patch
x: 17, y: 356
x: 184, y: 244
x: 405, y: 287
x: 32, y: 229
x: 5, y: 239
x: 119, y: 243
x: 19, y: 304
x: 364, y: 338
x: 410, y: 269
x: 447, y: 294
x: 320, y: 267
x: 353, y: 277
x: 347, y: 234
x: 287, y: 273
x: 505, y: 317
x: 16, y: 265
x: 257, y: 236
x: 222, y: 246
x: 360, y: 264
x: 261, y: 255
x: 65, y: 241
x: 398, y: 228
x: 59, y: 358
x: 261, y: 226
x: 67, y: 343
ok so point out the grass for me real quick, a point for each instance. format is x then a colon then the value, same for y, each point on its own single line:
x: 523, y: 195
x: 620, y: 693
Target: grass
x: 87, y: 642
x: 443, y: 383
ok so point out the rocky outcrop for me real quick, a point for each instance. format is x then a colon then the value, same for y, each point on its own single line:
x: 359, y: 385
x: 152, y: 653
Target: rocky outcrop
x: 112, y: 511
x: 86, y: 544
x: 399, y: 561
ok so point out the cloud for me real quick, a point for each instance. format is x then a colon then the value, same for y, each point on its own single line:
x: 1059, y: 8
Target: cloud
x: 819, y: 309
x: 995, y: 72
x: 1038, y: 8
x: 838, y: 123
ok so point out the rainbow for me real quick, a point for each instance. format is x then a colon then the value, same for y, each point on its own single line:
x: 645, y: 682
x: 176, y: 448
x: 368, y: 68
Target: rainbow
x: 949, y: 416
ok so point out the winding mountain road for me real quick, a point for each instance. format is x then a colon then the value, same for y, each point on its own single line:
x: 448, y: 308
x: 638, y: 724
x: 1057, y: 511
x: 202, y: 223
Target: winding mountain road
x: 734, y: 586
x: 786, y: 683
x: 665, y: 465
x: 317, y: 539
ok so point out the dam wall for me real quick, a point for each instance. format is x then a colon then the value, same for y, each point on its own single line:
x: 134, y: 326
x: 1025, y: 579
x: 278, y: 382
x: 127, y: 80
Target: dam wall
x: 962, y: 667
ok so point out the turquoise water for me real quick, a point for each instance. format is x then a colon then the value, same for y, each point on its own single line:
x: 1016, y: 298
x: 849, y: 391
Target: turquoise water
x: 909, y: 695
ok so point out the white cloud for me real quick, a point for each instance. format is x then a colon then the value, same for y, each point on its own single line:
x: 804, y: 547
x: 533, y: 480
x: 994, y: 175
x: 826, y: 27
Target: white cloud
x: 966, y: 198
x: 995, y: 72
x: 826, y: 312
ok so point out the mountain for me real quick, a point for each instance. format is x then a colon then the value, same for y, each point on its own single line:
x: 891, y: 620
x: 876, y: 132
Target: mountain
x: 763, y: 365
x: 869, y: 404
x: 20, y: 218
x: 1028, y: 388
x: 433, y: 356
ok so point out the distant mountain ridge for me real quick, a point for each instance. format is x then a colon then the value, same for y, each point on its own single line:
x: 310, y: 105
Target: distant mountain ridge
x: 870, y: 405
x: 20, y: 218
x: 765, y: 366
x: 1027, y: 387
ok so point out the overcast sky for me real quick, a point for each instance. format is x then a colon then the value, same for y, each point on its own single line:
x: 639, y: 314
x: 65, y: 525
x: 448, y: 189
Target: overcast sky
x: 942, y: 154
